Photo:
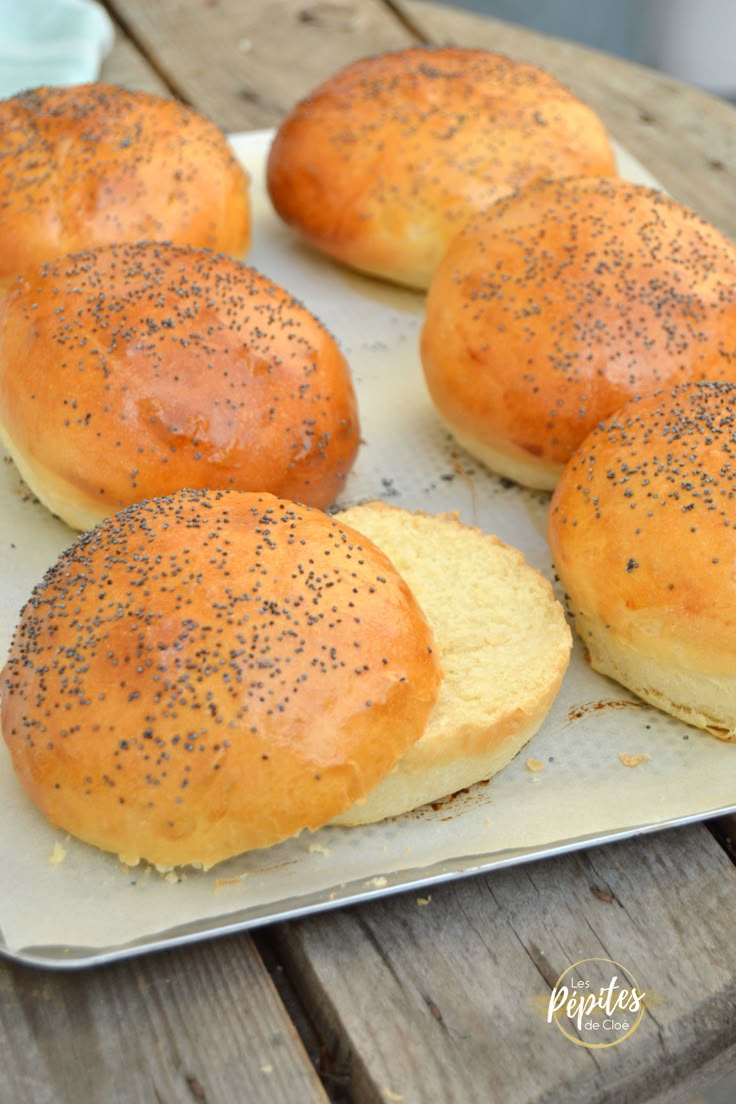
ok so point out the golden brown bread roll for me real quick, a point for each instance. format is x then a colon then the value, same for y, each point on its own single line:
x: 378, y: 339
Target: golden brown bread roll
x: 384, y: 162
x: 131, y: 371
x: 560, y: 303
x: 643, y: 536
x: 94, y: 164
x: 211, y: 672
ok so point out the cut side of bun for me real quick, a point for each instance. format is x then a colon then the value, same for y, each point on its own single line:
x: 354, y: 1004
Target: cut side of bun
x: 383, y: 163
x: 130, y: 371
x: 503, y: 643
x: 94, y: 164
x: 212, y: 672
x: 641, y: 527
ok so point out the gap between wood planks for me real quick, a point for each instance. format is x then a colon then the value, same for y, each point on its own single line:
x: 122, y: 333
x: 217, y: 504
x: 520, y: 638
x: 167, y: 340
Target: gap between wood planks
x: 723, y: 830
x: 406, y: 21
x: 332, y: 1069
x: 124, y: 26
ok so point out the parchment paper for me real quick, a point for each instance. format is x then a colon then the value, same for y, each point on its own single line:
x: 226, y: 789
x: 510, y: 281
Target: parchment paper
x: 66, y: 904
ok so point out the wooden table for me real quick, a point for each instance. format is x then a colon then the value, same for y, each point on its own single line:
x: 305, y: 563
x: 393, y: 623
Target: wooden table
x: 396, y: 1000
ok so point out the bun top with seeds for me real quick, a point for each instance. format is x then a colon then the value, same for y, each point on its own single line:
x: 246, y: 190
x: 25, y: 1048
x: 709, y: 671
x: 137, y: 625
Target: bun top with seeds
x: 211, y: 672
x: 94, y: 164
x: 132, y: 371
x: 558, y: 304
x: 642, y: 528
x: 385, y: 161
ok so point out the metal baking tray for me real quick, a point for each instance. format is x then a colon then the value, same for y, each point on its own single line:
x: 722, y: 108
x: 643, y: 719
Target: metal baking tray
x: 66, y: 905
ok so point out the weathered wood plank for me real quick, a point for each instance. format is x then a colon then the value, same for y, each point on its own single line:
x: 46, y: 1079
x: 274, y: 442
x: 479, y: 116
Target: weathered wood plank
x: 685, y: 137
x: 219, y: 56
x: 200, y: 1024
x: 682, y: 135
x: 446, y: 1001
x: 711, y: 1084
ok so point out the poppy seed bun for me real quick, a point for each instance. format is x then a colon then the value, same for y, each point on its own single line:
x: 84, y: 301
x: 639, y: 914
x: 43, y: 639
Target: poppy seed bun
x: 211, y: 672
x: 643, y: 535
x: 503, y: 643
x: 558, y: 304
x: 130, y: 371
x: 384, y: 163
x: 94, y: 164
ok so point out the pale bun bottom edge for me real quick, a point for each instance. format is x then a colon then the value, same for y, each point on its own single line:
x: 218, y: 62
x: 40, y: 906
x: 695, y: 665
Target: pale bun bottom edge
x: 51, y: 491
x: 402, y: 791
x: 404, y: 274
x: 508, y: 461
x: 706, y: 702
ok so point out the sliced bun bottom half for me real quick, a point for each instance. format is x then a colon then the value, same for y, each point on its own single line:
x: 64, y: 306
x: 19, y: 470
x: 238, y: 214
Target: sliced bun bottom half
x: 503, y: 643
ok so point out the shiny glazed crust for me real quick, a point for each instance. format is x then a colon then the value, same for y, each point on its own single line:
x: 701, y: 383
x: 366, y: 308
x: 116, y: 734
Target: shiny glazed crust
x: 94, y: 164
x: 642, y: 533
x: 558, y: 304
x: 384, y: 163
x: 212, y: 672
x: 131, y: 371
